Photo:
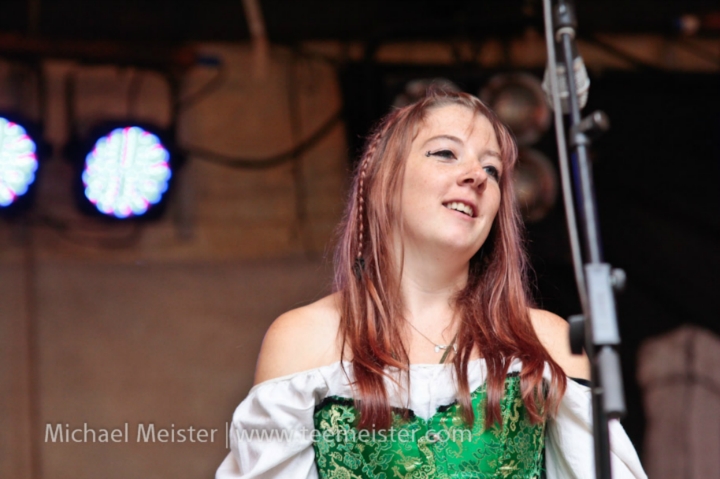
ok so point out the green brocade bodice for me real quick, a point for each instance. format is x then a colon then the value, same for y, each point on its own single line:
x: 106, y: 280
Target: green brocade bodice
x: 440, y: 447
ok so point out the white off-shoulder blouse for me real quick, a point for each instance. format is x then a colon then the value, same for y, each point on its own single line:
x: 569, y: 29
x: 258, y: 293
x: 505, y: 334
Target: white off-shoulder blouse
x: 271, y: 435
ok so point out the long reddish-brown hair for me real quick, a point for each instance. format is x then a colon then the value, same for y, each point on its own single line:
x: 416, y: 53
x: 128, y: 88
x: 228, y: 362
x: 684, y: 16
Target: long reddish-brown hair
x: 493, y: 306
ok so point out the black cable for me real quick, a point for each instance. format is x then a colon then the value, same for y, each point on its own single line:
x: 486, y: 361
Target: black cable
x: 34, y: 372
x: 270, y: 161
x: 295, y: 113
x: 68, y: 231
x: 211, y: 86
x: 133, y: 91
x: 206, y: 154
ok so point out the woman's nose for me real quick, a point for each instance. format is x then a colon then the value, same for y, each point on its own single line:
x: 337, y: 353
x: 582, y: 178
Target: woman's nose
x: 473, y: 176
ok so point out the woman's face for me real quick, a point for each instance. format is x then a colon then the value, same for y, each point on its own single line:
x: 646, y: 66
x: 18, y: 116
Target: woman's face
x: 451, y: 188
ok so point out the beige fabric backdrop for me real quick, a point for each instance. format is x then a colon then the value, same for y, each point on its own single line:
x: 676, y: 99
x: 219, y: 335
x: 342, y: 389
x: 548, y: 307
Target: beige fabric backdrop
x: 681, y: 387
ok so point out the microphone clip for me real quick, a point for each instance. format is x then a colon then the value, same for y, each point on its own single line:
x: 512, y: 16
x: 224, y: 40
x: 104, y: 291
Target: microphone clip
x: 590, y: 128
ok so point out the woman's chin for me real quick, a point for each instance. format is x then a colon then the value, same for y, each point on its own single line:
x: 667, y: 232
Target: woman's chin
x: 461, y: 241
x: 457, y: 248
x: 449, y: 243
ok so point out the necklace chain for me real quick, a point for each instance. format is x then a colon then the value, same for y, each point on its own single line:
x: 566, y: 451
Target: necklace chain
x: 438, y: 347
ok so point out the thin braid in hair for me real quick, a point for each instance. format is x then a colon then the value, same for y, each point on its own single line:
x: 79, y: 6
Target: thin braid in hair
x: 361, y: 203
x: 359, y: 260
x: 362, y: 173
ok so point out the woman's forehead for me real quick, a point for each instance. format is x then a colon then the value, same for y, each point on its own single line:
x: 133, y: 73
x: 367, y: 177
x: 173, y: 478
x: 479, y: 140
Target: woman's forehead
x: 454, y: 121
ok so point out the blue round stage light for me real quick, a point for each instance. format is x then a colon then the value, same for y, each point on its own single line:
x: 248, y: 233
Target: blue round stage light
x: 18, y: 162
x: 126, y: 172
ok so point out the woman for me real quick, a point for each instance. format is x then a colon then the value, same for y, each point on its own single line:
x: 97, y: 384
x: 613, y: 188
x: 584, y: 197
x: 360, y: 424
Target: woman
x: 427, y: 361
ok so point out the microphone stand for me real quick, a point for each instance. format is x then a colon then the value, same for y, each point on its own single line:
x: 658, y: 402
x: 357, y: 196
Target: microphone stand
x: 596, y: 329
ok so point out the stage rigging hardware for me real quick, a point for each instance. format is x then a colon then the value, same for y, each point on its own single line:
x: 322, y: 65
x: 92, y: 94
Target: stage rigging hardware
x: 596, y: 329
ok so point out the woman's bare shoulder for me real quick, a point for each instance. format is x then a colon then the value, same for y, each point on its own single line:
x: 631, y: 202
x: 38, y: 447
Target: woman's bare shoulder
x: 553, y: 332
x: 301, y: 339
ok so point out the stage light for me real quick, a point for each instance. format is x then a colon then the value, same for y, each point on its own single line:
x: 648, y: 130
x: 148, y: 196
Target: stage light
x: 536, y: 184
x: 18, y: 162
x: 519, y: 101
x: 127, y: 172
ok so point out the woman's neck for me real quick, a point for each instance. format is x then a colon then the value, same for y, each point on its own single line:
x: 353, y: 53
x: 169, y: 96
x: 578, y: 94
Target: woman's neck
x: 428, y: 285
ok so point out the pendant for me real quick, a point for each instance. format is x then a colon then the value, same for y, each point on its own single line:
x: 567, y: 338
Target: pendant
x: 443, y: 347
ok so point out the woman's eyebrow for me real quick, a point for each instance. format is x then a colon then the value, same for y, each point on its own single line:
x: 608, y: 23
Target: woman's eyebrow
x: 452, y: 138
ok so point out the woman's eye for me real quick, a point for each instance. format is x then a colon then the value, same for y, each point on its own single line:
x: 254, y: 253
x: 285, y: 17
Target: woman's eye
x: 447, y: 154
x: 492, y: 171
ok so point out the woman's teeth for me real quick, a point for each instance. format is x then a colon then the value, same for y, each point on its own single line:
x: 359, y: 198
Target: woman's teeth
x: 461, y: 207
